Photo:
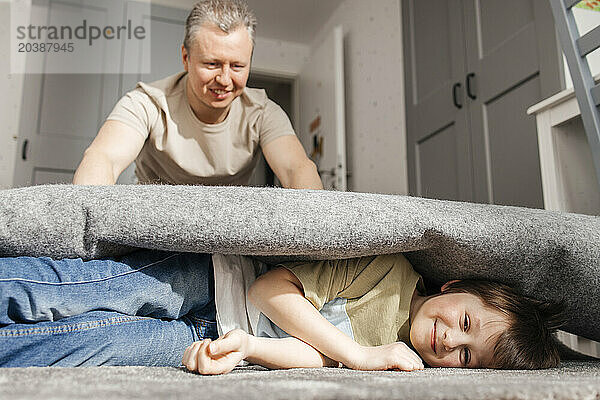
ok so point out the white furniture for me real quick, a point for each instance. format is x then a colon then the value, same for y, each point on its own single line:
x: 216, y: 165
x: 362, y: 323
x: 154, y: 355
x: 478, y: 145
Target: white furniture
x: 568, y: 175
x: 569, y: 179
x: 576, y: 48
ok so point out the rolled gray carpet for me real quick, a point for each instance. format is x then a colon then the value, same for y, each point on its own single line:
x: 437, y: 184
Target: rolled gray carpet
x: 547, y: 255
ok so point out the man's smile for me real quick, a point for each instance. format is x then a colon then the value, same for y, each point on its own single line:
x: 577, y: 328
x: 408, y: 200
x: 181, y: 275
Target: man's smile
x: 220, y: 93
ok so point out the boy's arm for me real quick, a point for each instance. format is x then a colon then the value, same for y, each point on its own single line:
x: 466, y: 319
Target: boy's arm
x: 279, y: 295
x: 286, y: 353
x: 222, y: 355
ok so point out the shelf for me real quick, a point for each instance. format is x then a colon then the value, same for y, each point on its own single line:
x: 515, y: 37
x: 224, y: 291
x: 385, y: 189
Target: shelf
x: 568, y: 176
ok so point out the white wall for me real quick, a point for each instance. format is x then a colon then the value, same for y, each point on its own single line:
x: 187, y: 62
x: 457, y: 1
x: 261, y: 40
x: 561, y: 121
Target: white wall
x: 11, y: 90
x: 183, y: 4
x: 279, y: 57
x: 375, y: 112
x: 586, y: 21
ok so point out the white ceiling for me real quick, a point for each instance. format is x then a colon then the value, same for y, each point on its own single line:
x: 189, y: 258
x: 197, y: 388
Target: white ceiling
x: 289, y: 20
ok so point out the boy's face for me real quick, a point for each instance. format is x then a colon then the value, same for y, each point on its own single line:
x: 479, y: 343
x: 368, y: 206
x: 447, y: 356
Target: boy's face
x: 456, y: 330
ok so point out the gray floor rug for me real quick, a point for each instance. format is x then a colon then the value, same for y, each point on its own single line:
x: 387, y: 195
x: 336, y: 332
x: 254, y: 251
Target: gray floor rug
x: 573, y: 380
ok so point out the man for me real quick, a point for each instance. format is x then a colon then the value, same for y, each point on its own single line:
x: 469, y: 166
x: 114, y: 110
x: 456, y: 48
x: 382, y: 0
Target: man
x: 201, y: 126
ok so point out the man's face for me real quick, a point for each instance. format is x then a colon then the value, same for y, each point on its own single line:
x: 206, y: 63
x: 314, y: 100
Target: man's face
x: 456, y: 330
x: 218, y: 65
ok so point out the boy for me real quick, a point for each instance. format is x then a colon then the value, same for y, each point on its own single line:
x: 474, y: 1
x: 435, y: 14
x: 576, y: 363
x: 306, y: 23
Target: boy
x: 147, y: 307
x: 473, y: 324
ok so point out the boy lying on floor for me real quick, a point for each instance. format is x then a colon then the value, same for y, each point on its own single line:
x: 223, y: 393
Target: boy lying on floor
x: 147, y: 307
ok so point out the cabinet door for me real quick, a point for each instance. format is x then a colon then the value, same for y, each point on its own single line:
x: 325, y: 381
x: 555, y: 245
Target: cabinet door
x: 512, y: 52
x: 439, y: 155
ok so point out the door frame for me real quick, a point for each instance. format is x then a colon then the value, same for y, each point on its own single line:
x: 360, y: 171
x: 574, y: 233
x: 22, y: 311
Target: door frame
x: 287, y: 77
x: 292, y: 81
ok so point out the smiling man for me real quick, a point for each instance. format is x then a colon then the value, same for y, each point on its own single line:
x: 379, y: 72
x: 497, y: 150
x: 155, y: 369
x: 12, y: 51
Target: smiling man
x: 202, y: 126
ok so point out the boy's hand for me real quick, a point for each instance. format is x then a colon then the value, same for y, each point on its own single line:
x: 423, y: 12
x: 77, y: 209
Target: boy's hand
x: 390, y: 356
x: 217, y: 357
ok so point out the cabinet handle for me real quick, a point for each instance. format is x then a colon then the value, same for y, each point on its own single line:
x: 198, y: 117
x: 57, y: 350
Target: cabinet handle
x: 469, y: 87
x: 24, y: 149
x: 455, y: 88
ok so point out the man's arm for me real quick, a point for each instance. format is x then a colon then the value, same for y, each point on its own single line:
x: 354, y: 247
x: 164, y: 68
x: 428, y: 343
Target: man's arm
x: 113, y: 149
x: 279, y: 295
x: 289, y: 162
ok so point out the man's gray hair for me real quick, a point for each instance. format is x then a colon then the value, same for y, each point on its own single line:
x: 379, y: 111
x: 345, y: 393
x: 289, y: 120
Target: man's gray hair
x: 228, y: 15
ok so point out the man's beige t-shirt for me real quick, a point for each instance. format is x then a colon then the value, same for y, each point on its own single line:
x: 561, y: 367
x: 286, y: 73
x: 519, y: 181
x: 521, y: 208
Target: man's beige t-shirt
x: 375, y: 291
x: 181, y: 149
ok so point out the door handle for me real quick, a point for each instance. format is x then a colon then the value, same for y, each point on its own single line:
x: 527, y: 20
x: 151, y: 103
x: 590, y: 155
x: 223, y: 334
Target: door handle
x: 455, y: 89
x: 470, y: 92
x: 24, y: 149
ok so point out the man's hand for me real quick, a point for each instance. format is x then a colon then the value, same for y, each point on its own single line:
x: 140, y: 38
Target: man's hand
x: 287, y: 158
x: 390, y: 356
x: 217, y: 357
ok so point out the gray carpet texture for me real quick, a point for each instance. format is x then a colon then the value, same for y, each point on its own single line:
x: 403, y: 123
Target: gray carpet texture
x: 579, y: 381
x: 548, y: 255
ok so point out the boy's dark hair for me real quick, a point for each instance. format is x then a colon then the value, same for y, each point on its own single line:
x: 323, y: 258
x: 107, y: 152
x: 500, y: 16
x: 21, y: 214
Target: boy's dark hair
x: 529, y: 341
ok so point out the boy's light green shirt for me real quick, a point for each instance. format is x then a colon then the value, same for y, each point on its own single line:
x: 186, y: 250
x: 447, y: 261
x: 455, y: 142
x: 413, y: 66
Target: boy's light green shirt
x: 378, y: 290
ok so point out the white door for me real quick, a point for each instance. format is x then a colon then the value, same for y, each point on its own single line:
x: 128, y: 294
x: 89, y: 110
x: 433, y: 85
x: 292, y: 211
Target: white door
x: 62, y: 113
x: 167, y: 26
x: 322, y: 110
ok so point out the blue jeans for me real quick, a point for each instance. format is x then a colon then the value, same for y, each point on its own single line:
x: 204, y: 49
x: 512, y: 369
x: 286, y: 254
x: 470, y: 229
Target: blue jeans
x: 142, y: 309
